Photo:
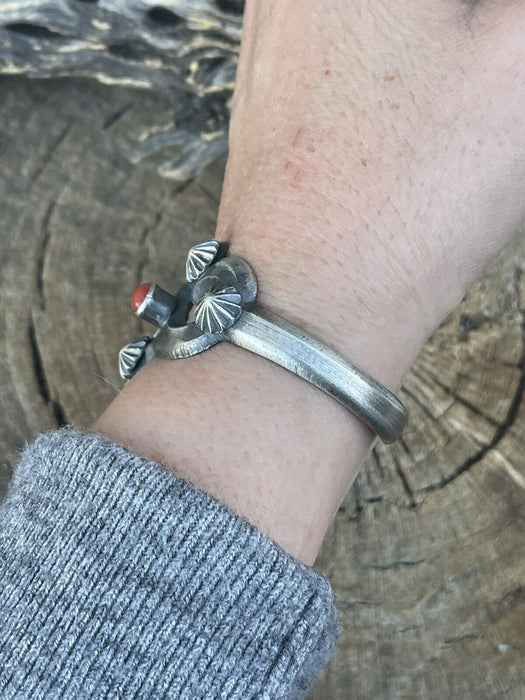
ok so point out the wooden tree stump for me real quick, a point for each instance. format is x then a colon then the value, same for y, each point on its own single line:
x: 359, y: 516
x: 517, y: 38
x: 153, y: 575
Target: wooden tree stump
x: 427, y: 553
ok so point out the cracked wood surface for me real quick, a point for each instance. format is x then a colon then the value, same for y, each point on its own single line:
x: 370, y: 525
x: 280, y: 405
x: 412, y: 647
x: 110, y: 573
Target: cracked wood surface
x: 186, y: 49
x: 426, y: 554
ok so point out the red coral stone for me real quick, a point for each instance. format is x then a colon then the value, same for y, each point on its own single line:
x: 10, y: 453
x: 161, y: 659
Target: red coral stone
x: 139, y: 295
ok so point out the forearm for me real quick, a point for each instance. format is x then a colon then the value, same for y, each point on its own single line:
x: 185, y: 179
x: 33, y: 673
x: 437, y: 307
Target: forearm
x: 268, y: 444
x: 116, y: 577
x: 319, y: 198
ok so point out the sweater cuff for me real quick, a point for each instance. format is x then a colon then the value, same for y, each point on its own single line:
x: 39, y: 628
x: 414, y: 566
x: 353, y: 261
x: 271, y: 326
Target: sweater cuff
x: 119, y: 579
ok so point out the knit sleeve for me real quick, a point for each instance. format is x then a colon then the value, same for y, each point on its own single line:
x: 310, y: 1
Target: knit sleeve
x: 121, y: 580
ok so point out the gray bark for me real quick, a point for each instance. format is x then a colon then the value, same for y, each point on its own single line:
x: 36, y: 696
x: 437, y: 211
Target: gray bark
x: 185, y: 49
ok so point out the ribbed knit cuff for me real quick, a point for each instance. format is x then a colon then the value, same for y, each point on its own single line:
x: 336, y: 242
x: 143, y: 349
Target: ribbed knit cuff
x: 120, y: 580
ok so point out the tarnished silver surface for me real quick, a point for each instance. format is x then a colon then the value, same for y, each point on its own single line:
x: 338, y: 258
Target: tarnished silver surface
x: 229, y: 271
x: 223, y: 298
x: 270, y: 336
x: 157, y: 306
x: 176, y: 343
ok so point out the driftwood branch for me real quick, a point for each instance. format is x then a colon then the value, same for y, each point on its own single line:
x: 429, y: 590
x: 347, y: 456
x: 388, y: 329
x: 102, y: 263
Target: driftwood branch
x: 185, y: 49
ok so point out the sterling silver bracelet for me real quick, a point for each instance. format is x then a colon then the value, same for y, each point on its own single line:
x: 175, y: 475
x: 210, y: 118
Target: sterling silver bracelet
x: 220, y: 293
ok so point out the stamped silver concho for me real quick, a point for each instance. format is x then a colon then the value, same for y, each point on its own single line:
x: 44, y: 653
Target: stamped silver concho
x: 220, y: 299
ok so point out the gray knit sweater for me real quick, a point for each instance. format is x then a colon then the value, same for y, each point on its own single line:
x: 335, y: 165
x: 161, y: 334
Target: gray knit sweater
x: 120, y: 580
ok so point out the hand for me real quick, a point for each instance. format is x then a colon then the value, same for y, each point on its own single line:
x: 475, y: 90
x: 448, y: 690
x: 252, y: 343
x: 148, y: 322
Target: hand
x: 377, y: 163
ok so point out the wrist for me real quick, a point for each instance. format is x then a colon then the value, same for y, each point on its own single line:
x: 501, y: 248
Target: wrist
x: 266, y: 443
x: 208, y: 418
x: 332, y: 190
x: 357, y: 300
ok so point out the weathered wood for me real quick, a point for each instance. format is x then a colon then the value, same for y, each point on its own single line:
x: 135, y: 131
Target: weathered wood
x: 186, y: 49
x: 427, y: 553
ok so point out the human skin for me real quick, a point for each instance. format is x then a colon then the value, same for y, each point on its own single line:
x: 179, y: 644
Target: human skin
x: 377, y: 161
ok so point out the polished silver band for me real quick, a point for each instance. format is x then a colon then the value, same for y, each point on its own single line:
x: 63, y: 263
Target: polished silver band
x: 221, y: 292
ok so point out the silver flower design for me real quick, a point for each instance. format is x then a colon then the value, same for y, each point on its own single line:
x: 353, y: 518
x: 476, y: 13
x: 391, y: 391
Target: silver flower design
x: 200, y: 257
x: 130, y: 356
x: 218, y: 309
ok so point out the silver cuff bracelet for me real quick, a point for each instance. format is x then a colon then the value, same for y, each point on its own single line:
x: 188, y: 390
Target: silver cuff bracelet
x: 221, y: 292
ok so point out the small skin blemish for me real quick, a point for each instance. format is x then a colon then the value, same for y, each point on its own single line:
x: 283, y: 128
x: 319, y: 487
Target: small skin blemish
x: 299, y: 163
x: 297, y: 178
x: 364, y: 162
x: 328, y: 73
x: 389, y: 78
x: 297, y: 137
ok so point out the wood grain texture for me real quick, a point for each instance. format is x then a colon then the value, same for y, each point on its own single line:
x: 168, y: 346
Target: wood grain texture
x: 427, y: 553
x: 186, y: 49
